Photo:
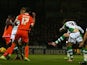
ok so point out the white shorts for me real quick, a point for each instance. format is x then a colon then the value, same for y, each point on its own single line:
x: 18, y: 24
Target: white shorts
x: 75, y: 37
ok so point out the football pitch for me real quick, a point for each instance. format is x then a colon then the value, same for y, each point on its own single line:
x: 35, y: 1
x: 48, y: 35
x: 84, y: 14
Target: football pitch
x: 43, y: 60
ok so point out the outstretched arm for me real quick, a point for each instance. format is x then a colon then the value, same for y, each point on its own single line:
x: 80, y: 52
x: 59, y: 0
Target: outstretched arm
x: 34, y: 18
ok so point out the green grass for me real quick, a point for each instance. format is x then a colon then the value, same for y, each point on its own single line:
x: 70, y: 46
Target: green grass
x: 43, y: 60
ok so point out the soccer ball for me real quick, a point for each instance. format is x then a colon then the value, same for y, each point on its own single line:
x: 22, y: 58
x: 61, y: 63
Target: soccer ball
x: 2, y: 49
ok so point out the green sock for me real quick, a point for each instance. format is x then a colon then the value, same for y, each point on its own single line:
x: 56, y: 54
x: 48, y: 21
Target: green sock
x: 69, y: 52
x: 61, y: 38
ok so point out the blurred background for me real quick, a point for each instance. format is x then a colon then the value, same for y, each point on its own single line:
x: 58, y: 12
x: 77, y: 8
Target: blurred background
x: 50, y: 15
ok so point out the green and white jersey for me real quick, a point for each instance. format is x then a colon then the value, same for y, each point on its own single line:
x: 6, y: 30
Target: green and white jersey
x: 74, y: 37
x: 71, y: 25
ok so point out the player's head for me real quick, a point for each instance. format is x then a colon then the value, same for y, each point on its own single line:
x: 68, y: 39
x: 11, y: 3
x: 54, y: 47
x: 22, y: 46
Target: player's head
x: 24, y: 10
x: 69, y: 19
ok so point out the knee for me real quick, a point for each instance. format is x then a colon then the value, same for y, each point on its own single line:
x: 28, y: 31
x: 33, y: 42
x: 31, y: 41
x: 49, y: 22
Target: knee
x: 66, y: 34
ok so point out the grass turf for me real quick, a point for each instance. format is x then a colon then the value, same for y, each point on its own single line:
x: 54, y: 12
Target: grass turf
x: 43, y: 60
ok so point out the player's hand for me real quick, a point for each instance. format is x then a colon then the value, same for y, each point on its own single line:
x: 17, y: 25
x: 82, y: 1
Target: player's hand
x: 52, y: 43
x: 60, y: 29
x: 33, y: 13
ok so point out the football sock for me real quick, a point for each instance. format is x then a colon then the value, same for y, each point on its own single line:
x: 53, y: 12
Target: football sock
x: 7, y: 51
x: 61, y: 38
x: 12, y: 48
x: 26, y: 51
x: 70, y: 53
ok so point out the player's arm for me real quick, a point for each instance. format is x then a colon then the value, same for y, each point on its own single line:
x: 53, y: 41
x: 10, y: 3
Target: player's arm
x: 62, y: 28
x: 81, y: 30
x: 33, y: 16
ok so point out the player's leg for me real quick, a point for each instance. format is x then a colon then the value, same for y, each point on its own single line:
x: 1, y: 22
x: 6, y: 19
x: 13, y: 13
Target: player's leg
x: 16, y: 50
x: 26, y: 52
x: 25, y: 39
x: 84, y: 55
x: 84, y: 62
x: 84, y: 50
x: 66, y: 50
x: 71, y: 40
x: 19, y: 50
x: 61, y: 38
x: 75, y: 37
x: 69, y: 52
x: 8, y: 51
x: 19, y: 54
x: 79, y: 40
x: 14, y: 37
x: 10, y: 48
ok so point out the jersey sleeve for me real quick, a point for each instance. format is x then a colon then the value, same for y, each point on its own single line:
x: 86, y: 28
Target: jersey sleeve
x: 82, y: 31
x: 63, y: 27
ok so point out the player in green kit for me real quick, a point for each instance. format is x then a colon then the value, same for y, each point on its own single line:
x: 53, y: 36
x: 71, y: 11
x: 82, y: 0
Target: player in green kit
x: 73, y: 36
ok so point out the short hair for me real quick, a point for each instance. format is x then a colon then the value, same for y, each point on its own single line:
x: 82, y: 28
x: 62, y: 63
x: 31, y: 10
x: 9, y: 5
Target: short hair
x: 25, y: 8
x: 69, y: 19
